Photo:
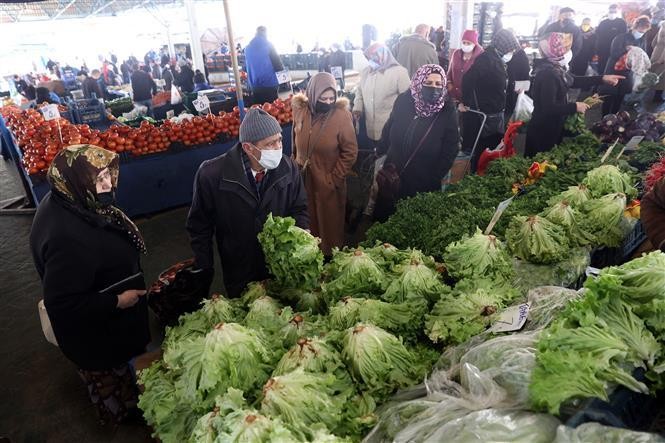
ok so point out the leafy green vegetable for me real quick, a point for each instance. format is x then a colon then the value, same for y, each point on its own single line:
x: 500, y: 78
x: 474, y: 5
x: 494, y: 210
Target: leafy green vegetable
x: 311, y: 354
x: 478, y: 256
x: 254, y: 291
x: 608, y: 179
x: 398, y: 318
x: 563, y: 214
x: 266, y: 314
x: 576, y: 196
x: 537, y: 240
x: 468, y: 311
x: 352, y: 273
x: 292, y: 254
x: 415, y: 282
x: 379, y: 360
x: 563, y: 273
x: 603, y: 218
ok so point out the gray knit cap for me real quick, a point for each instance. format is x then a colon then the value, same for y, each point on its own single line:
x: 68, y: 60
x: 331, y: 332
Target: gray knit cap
x: 257, y: 125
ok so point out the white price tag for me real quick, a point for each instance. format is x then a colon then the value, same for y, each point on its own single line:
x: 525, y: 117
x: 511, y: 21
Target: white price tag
x: 202, y: 103
x: 283, y: 76
x: 50, y: 112
x: 631, y: 145
x: 512, y: 319
x: 170, y: 114
x: 497, y: 214
x: 522, y: 85
x: 337, y: 72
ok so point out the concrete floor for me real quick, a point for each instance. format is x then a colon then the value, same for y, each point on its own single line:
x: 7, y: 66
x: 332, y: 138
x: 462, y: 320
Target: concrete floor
x: 42, y: 398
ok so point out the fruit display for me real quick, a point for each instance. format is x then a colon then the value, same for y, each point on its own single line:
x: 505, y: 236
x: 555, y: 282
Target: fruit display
x: 40, y: 140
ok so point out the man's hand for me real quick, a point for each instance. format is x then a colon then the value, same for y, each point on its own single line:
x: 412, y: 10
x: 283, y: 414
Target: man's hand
x: 581, y: 107
x: 129, y: 298
x: 612, y: 80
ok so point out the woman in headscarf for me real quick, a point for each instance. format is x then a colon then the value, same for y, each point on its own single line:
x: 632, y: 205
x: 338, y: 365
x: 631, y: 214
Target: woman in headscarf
x: 461, y: 61
x: 325, y: 148
x: 421, y: 138
x: 82, y: 245
x: 484, y: 90
x: 550, y: 92
x: 380, y: 84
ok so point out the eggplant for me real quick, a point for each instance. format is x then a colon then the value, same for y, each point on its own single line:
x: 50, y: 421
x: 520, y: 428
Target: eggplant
x: 610, y: 120
x: 624, y: 117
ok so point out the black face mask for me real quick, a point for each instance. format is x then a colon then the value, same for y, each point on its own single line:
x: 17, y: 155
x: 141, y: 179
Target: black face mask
x: 431, y: 94
x: 106, y: 199
x: 322, y: 108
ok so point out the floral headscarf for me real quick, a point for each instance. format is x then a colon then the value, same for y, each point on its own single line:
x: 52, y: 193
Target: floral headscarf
x: 381, y: 55
x: 424, y: 109
x: 73, y: 176
x: 555, y: 45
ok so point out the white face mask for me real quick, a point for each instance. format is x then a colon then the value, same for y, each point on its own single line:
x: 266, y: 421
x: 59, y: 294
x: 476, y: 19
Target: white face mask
x: 270, y: 158
x: 468, y: 48
x: 638, y: 35
x: 567, y: 57
x: 612, y: 15
x: 507, y: 57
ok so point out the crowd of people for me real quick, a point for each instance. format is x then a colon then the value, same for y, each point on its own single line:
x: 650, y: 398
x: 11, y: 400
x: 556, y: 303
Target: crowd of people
x: 418, y: 114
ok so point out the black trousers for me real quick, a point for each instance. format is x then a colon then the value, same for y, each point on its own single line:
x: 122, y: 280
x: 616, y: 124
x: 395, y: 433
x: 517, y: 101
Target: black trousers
x: 263, y: 95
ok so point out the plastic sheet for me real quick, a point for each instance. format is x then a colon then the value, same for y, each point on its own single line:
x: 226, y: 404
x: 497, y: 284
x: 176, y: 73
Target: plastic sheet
x: 564, y: 273
x: 545, y: 304
x: 597, y: 433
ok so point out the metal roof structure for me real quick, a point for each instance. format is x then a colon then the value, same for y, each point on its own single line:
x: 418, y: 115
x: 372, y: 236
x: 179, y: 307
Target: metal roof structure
x: 12, y: 11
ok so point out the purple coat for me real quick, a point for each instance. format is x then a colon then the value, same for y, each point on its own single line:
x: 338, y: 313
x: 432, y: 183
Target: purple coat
x: 459, y: 67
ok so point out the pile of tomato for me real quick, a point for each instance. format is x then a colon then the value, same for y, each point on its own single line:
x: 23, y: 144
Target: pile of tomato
x: 40, y: 140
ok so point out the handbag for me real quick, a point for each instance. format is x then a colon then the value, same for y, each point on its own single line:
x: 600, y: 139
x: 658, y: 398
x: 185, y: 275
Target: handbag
x: 388, y: 182
x: 44, y: 319
x: 494, y: 123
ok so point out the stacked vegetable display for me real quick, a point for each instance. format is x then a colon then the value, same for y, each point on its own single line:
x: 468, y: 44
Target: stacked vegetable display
x: 623, y: 126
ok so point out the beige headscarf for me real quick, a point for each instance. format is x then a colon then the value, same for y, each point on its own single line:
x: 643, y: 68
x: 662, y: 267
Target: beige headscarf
x: 317, y: 85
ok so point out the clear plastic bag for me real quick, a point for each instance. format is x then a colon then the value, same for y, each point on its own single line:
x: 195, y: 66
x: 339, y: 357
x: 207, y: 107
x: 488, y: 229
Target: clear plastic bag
x: 545, y: 303
x: 523, y: 108
x: 597, y: 433
x: 565, y: 273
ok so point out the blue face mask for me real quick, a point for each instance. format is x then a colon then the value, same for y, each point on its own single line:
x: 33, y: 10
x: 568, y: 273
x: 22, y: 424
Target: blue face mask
x: 374, y: 65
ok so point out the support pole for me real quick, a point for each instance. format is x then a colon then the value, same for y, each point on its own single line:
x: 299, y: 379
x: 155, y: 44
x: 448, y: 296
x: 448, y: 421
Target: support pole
x: 194, y: 36
x: 234, y: 61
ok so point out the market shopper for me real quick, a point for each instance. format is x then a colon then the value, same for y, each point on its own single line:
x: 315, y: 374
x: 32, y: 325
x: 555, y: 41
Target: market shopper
x: 566, y: 25
x: 652, y: 214
x: 609, y: 28
x: 325, y: 149
x: 617, y: 64
x: 143, y: 88
x: 658, y: 63
x: 518, y: 69
x: 185, y: 78
x: 233, y: 195
x: 484, y: 90
x: 461, y: 61
x: 580, y: 63
x: 91, y: 85
x: 550, y: 93
x: 380, y: 84
x: 81, y: 244
x: 262, y: 63
x: 167, y: 75
x: 200, y: 83
x: 415, y: 50
x: 421, y: 140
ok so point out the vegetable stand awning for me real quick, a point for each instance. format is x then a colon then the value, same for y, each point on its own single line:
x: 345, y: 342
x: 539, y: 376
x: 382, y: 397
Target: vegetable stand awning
x: 15, y: 11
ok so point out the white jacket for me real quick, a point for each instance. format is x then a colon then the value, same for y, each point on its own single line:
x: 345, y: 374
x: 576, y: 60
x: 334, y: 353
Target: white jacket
x: 375, y: 95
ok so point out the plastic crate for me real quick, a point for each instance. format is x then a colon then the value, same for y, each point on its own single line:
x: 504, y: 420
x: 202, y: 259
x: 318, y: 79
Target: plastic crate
x: 636, y: 237
x: 90, y: 114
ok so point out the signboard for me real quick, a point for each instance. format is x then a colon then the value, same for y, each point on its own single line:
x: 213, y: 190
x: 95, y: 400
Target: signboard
x: 202, y: 103
x: 50, y: 112
x: 337, y: 72
x: 512, y: 319
x: 283, y: 76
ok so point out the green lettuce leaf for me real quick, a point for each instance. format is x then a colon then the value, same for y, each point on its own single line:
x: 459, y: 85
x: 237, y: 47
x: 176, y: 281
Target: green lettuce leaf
x: 478, y: 256
x: 353, y: 272
x: 608, y: 179
x: 576, y: 196
x: 603, y: 218
x: 537, y: 240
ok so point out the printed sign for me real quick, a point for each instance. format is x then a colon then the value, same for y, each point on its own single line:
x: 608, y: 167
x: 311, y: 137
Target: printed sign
x: 512, y: 319
x: 170, y: 114
x: 202, y: 103
x: 522, y: 85
x: 50, y: 112
x: 337, y: 72
x: 283, y: 76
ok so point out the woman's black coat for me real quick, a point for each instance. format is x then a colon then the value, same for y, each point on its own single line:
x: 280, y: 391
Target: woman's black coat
x: 75, y: 261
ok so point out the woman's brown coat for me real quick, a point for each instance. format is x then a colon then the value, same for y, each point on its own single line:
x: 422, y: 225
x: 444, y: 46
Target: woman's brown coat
x: 329, y: 143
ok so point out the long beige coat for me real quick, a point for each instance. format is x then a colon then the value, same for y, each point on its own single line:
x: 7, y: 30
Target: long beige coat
x: 375, y: 95
x: 658, y: 58
x: 330, y: 153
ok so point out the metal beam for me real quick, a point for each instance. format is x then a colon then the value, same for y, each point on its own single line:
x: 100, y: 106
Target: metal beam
x: 63, y: 9
x: 101, y: 8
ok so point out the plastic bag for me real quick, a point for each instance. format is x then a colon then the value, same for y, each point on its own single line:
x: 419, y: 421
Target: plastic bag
x: 523, y: 108
x: 565, y: 273
x: 597, y: 433
x: 374, y: 190
x: 545, y: 303
x: 175, y: 95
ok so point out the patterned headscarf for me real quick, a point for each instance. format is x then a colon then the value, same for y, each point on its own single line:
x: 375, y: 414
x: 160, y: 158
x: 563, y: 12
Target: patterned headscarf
x: 424, y: 109
x: 73, y: 176
x: 381, y: 55
x: 555, y: 45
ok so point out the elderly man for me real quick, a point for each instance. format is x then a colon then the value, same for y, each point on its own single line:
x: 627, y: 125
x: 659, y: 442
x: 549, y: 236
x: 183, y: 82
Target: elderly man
x: 414, y: 51
x: 233, y: 195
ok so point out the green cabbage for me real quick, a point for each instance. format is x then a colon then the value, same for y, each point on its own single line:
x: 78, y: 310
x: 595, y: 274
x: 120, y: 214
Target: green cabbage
x: 255, y: 290
x: 292, y: 254
x: 266, y: 314
x: 344, y: 314
x: 398, y: 318
x: 604, y: 219
x: 379, y: 360
x: 608, y: 179
x: 537, y: 240
x: 415, y: 282
x: 478, y: 256
x: 311, y: 354
x: 353, y: 273
x: 576, y: 196
x: 563, y: 214
x: 302, y: 399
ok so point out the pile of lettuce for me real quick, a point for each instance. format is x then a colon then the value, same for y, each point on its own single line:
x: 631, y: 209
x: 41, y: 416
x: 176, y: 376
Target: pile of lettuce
x: 600, y: 339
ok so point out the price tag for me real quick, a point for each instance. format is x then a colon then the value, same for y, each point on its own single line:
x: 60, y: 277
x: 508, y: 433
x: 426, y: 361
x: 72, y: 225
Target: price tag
x: 522, y: 85
x: 337, y: 72
x: 170, y: 114
x: 283, y: 76
x: 497, y: 214
x: 631, y: 145
x: 512, y: 319
x: 591, y: 271
x: 50, y: 112
x: 202, y: 103
x: 609, y: 151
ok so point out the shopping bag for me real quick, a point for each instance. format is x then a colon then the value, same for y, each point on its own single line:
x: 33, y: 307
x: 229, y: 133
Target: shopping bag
x: 175, y: 95
x: 46, y: 324
x: 523, y: 108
